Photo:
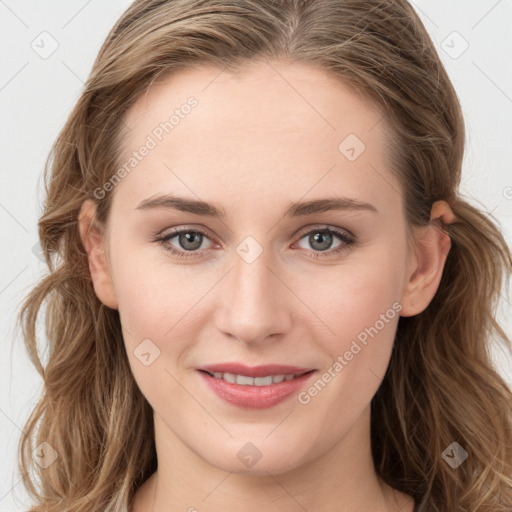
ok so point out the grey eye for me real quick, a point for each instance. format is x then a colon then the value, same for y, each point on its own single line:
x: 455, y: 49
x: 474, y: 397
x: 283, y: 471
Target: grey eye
x: 189, y: 240
x: 320, y: 240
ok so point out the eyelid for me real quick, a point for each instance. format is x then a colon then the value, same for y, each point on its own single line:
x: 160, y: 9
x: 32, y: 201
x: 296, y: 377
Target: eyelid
x: 184, y: 229
x: 327, y: 227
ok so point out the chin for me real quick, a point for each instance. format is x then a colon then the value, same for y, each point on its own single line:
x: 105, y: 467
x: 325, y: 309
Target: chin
x: 257, y: 457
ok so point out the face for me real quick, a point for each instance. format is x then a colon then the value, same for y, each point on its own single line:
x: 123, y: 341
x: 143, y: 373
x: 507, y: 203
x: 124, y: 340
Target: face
x: 258, y: 277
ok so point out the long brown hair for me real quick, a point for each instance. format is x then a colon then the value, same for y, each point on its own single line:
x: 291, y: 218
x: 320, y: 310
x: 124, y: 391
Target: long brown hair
x: 440, y: 386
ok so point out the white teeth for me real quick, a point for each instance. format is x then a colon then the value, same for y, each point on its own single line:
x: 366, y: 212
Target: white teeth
x: 230, y: 377
x: 263, y: 381
x: 245, y: 380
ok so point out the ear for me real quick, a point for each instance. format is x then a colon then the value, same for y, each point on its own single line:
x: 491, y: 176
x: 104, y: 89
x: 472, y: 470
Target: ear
x: 93, y: 240
x: 427, y: 263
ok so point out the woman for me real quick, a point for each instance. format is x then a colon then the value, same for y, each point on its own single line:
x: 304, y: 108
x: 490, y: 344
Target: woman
x: 265, y: 290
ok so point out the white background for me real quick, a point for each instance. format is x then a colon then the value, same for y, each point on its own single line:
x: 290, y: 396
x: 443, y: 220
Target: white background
x: 37, y: 94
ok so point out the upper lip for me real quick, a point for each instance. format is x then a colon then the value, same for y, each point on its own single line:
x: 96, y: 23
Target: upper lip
x: 255, y: 371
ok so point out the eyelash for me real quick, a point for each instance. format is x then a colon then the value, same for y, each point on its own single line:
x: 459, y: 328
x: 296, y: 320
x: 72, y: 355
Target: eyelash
x: 347, y: 240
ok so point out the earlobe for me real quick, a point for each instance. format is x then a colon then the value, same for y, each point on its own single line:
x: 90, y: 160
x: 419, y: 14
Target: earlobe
x: 432, y: 247
x: 94, y: 243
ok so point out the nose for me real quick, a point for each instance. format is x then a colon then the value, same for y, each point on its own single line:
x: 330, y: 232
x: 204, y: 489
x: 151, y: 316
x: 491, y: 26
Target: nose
x: 253, y: 304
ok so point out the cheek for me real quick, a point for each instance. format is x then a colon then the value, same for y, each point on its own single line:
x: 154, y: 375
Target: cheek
x: 154, y: 294
x: 157, y: 328
x: 162, y: 308
x: 359, y: 307
x: 353, y: 297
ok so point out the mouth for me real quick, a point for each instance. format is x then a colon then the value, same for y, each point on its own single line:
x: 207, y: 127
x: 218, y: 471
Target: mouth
x: 246, y: 380
x: 254, y: 387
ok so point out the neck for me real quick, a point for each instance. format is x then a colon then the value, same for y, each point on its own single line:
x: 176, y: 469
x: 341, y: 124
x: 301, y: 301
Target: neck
x: 342, y: 479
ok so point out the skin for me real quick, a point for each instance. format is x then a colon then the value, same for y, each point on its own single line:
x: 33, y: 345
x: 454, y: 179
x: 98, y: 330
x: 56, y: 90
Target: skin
x: 259, y: 139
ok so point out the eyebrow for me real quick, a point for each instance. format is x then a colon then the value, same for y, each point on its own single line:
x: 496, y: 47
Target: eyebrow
x: 297, y: 209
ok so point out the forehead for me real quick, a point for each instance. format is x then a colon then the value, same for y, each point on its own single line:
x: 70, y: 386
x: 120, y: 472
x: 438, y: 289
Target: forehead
x: 268, y: 126
x: 257, y: 96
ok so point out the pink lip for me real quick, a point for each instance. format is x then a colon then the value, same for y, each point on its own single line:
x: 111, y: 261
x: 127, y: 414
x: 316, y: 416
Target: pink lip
x: 254, y: 371
x: 255, y: 397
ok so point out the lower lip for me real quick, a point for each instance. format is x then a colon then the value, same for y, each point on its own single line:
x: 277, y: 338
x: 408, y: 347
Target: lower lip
x: 255, y: 397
